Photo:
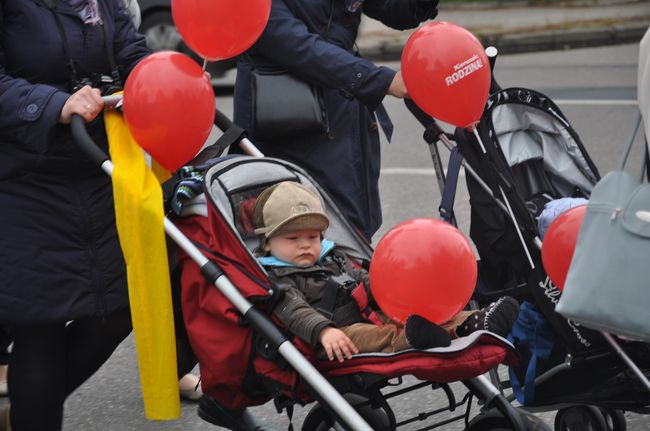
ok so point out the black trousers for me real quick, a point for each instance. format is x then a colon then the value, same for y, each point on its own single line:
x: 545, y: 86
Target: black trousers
x: 49, y: 361
x: 5, y: 342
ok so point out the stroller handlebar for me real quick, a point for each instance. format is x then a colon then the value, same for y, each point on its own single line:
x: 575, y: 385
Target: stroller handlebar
x: 222, y: 121
x: 85, y: 142
x: 83, y: 139
x: 425, y: 119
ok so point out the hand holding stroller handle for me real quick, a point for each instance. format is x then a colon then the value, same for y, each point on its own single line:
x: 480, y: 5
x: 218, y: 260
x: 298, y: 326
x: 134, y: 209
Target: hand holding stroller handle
x: 85, y: 142
x: 221, y: 121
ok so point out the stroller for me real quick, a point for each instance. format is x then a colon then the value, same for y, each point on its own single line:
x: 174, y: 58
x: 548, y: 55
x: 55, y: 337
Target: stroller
x: 240, y: 366
x: 531, y: 156
x: 245, y: 356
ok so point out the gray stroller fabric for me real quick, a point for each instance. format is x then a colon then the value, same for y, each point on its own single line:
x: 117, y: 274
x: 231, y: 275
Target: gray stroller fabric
x: 232, y: 182
x: 525, y: 133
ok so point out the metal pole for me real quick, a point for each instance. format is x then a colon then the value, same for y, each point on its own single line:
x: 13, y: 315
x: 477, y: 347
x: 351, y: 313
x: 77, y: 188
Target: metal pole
x: 627, y: 359
x: 471, y: 172
x: 509, y: 211
x: 249, y: 148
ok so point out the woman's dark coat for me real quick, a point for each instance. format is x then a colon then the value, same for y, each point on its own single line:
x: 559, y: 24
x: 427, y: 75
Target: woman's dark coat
x: 346, y: 162
x: 60, y: 258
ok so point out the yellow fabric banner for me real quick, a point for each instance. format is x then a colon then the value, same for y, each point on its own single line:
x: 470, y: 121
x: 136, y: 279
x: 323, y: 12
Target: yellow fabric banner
x: 139, y: 217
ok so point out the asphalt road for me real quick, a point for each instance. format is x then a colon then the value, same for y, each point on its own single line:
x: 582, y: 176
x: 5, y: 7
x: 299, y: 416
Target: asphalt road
x: 595, y: 88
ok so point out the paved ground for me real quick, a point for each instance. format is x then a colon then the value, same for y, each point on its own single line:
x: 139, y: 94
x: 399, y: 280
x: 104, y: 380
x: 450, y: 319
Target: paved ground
x: 525, y: 26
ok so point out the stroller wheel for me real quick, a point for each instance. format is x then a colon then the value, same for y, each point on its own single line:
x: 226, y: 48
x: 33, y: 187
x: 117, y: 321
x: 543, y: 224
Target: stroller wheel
x: 615, y: 419
x: 319, y: 419
x: 493, y: 420
x: 580, y: 418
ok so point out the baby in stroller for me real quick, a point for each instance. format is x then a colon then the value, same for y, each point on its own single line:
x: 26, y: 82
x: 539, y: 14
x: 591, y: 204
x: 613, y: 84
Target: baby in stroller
x: 322, y: 286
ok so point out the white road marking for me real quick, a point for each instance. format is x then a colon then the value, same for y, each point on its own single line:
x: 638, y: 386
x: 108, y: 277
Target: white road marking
x: 431, y: 172
x: 621, y: 102
x: 414, y: 171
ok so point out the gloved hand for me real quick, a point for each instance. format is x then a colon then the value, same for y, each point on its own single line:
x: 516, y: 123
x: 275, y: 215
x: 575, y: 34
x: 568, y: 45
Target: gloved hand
x: 426, y: 9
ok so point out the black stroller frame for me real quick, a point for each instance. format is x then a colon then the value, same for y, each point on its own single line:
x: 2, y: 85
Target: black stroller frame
x: 528, y: 237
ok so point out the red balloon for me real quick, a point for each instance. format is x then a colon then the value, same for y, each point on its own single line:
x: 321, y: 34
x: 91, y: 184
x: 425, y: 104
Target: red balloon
x: 169, y: 107
x: 423, y: 266
x: 447, y: 73
x: 560, y: 243
x: 218, y: 29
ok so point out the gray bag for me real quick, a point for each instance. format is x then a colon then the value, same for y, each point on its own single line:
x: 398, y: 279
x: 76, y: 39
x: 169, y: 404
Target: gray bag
x: 608, y: 284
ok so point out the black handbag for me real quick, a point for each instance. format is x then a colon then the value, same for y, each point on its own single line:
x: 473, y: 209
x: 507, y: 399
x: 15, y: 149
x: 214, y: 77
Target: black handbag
x: 284, y: 105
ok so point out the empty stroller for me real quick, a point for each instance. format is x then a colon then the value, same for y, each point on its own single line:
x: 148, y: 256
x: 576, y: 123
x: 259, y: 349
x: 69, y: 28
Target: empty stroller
x: 532, y: 156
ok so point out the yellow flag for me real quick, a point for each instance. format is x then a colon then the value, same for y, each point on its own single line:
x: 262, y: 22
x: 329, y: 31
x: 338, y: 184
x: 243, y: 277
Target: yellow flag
x: 139, y: 217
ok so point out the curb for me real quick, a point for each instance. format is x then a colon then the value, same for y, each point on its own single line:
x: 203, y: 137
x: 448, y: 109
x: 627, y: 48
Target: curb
x: 514, y: 4
x: 513, y: 43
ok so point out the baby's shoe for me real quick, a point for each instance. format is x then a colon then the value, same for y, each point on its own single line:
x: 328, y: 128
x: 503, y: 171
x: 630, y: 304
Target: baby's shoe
x: 497, y: 317
x: 423, y: 334
x: 189, y: 387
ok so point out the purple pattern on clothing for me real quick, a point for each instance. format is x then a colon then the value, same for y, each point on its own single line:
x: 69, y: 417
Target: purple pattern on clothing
x: 88, y: 11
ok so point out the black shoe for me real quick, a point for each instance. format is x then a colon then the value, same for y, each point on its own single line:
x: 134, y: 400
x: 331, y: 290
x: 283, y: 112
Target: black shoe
x: 422, y: 334
x: 238, y: 420
x: 497, y: 317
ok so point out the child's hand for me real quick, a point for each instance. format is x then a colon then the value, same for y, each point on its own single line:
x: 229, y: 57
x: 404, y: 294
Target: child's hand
x: 336, y: 343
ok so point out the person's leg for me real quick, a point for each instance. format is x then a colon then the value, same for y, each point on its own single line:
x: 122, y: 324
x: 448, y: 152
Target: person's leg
x: 3, y: 380
x: 371, y: 338
x: 188, y: 383
x: 417, y: 333
x: 89, y: 342
x: 36, y: 378
x: 5, y: 342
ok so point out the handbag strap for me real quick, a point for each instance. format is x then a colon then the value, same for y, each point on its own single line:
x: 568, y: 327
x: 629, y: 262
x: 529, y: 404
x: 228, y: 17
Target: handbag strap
x: 628, y: 147
x: 647, y: 159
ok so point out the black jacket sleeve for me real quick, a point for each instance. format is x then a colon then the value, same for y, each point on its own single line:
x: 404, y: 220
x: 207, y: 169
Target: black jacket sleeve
x: 288, y: 42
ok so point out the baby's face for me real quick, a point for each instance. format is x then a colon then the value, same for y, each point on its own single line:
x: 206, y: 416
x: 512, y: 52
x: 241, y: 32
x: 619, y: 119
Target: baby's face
x: 300, y: 248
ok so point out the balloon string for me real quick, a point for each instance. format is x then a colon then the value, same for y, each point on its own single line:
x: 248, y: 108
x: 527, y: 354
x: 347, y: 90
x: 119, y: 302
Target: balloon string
x: 478, y: 138
x: 205, y: 64
x: 519, y: 234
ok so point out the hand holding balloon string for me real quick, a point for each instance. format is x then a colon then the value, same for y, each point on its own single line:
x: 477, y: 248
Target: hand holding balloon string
x: 397, y: 87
